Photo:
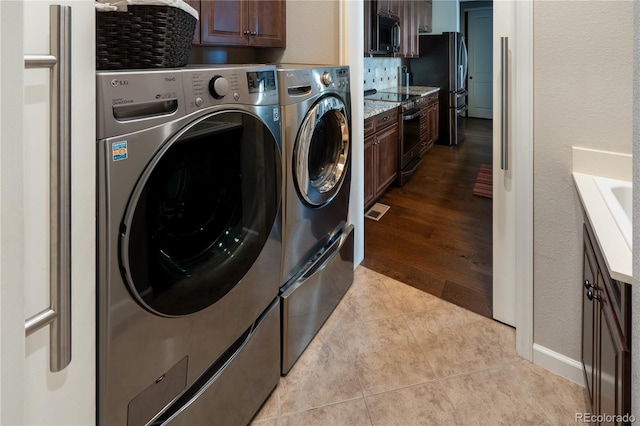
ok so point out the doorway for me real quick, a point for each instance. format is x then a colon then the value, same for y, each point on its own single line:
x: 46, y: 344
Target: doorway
x: 437, y: 235
x: 479, y: 34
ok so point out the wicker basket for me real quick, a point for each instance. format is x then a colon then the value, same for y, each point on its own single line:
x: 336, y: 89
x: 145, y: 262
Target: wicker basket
x: 146, y: 36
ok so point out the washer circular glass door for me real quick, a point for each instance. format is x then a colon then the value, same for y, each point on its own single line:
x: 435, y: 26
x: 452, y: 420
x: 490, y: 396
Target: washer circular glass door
x: 322, y: 151
x: 201, y: 213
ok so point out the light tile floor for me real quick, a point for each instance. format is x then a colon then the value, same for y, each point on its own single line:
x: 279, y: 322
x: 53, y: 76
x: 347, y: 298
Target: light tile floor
x: 394, y: 355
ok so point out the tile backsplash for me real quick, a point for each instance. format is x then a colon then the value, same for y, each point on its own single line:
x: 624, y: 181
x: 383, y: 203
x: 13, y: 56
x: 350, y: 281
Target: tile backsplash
x: 380, y: 73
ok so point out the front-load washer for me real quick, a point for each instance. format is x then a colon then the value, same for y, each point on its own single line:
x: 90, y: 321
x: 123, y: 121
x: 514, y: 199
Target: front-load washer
x: 190, y: 244
x: 318, y: 245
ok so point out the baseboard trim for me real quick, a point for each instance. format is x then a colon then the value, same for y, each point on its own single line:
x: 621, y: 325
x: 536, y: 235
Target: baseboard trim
x: 559, y: 364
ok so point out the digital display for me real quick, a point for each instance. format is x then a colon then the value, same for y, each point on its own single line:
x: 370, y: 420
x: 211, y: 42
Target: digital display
x: 261, y: 81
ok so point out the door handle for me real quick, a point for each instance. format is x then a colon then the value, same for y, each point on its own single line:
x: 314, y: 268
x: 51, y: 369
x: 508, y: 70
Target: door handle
x: 58, y: 314
x: 504, y: 103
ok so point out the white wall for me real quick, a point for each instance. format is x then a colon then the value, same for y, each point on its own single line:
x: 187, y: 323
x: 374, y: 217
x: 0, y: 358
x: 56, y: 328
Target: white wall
x: 312, y: 33
x: 582, y: 96
x: 635, y: 295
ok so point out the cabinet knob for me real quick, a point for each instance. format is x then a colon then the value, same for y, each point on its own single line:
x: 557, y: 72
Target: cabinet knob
x: 246, y: 32
x: 588, y: 285
x: 591, y: 295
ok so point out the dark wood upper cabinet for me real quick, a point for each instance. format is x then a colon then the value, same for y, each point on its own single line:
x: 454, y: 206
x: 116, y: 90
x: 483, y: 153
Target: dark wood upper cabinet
x: 413, y: 16
x: 267, y: 23
x: 242, y: 23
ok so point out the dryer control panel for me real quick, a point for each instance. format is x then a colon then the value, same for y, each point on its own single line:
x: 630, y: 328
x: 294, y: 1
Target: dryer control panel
x: 246, y: 85
x: 300, y: 82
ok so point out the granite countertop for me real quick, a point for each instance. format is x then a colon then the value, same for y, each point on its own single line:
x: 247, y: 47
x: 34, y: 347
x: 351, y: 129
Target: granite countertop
x: 411, y: 90
x: 372, y: 108
x: 587, y: 164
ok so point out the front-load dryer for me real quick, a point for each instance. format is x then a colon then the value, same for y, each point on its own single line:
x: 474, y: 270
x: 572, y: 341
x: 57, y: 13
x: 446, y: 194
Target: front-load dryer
x: 318, y: 244
x: 190, y: 244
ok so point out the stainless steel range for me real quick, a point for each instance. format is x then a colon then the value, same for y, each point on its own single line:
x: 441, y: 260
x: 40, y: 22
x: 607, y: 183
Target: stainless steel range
x: 409, y: 145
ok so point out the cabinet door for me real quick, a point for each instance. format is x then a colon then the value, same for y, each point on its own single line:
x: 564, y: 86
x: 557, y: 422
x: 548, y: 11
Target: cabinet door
x: 386, y: 157
x: 433, y: 116
x: 425, y: 16
x: 408, y: 29
x: 589, y: 322
x: 612, y: 363
x: 383, y: 7
x: 223, y: 22
x: 266, y: 23
x: 368, y: 31
x: 196, y: 5
x: 369, y: 166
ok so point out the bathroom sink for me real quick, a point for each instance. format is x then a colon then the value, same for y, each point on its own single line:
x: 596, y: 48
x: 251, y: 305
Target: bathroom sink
x: 617, y: 195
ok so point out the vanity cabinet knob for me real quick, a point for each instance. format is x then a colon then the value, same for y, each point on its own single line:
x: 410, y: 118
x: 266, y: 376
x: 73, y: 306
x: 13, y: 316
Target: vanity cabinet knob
x: 591, y: 295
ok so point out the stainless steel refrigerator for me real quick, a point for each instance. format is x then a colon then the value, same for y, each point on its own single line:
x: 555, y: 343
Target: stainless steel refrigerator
x: 443, y: 62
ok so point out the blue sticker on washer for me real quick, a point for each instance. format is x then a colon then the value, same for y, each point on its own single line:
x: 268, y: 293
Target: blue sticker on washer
x: 119, y: 150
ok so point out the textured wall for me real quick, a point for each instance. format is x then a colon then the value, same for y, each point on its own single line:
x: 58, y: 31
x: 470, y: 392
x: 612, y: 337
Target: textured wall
x: 312, y: 34
x: 583, y: 53
x: 635, y: 295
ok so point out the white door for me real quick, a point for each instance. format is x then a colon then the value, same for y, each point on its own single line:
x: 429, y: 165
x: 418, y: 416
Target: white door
x: 480, y: 39
x: 513, y: 169
x: 504, y: 176
x: 31, y: 393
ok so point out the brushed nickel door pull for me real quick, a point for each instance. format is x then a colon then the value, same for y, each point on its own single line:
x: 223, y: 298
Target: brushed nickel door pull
x: 504, y: 103
x: 58, y: 314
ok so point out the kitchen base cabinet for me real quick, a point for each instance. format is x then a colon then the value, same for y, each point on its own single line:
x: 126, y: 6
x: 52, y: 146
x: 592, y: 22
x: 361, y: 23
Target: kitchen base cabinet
x: 429, y: 121
x: 606, y: 337
x: 380, y: 154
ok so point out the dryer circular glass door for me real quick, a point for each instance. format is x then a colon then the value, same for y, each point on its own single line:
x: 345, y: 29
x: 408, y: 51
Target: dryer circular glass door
x: 322, y: 151
x: 201, y: 213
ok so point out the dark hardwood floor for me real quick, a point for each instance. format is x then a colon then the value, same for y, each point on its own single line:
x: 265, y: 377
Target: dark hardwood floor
x: 437, y: 235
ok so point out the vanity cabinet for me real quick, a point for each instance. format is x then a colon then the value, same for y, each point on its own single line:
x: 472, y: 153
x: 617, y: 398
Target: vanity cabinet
x: 606, y: 335
x: 380, y: 154
x: 253, y: 23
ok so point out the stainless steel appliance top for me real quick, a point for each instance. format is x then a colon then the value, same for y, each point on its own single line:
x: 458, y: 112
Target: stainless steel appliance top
x: 408, y: 101
x: 130, y: 100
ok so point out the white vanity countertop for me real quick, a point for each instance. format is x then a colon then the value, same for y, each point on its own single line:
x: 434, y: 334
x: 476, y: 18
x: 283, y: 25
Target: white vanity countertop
x: 588, y: 163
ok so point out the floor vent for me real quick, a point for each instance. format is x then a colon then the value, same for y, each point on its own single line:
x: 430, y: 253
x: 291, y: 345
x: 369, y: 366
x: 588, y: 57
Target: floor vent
x: 377, y: 211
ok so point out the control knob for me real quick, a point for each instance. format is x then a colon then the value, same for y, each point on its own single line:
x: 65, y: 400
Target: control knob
x: 326, y: 78
x: 218, y: 86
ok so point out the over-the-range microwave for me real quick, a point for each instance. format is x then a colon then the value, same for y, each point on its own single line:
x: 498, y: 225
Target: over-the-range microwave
x: 387, y: 35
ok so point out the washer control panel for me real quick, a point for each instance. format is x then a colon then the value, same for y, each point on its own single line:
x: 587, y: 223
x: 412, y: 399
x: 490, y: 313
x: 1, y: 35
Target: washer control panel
x: 247, y: 85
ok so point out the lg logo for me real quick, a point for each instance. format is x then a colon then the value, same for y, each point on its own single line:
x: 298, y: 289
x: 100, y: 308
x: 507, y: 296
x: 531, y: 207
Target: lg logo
x: 116, y: 83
